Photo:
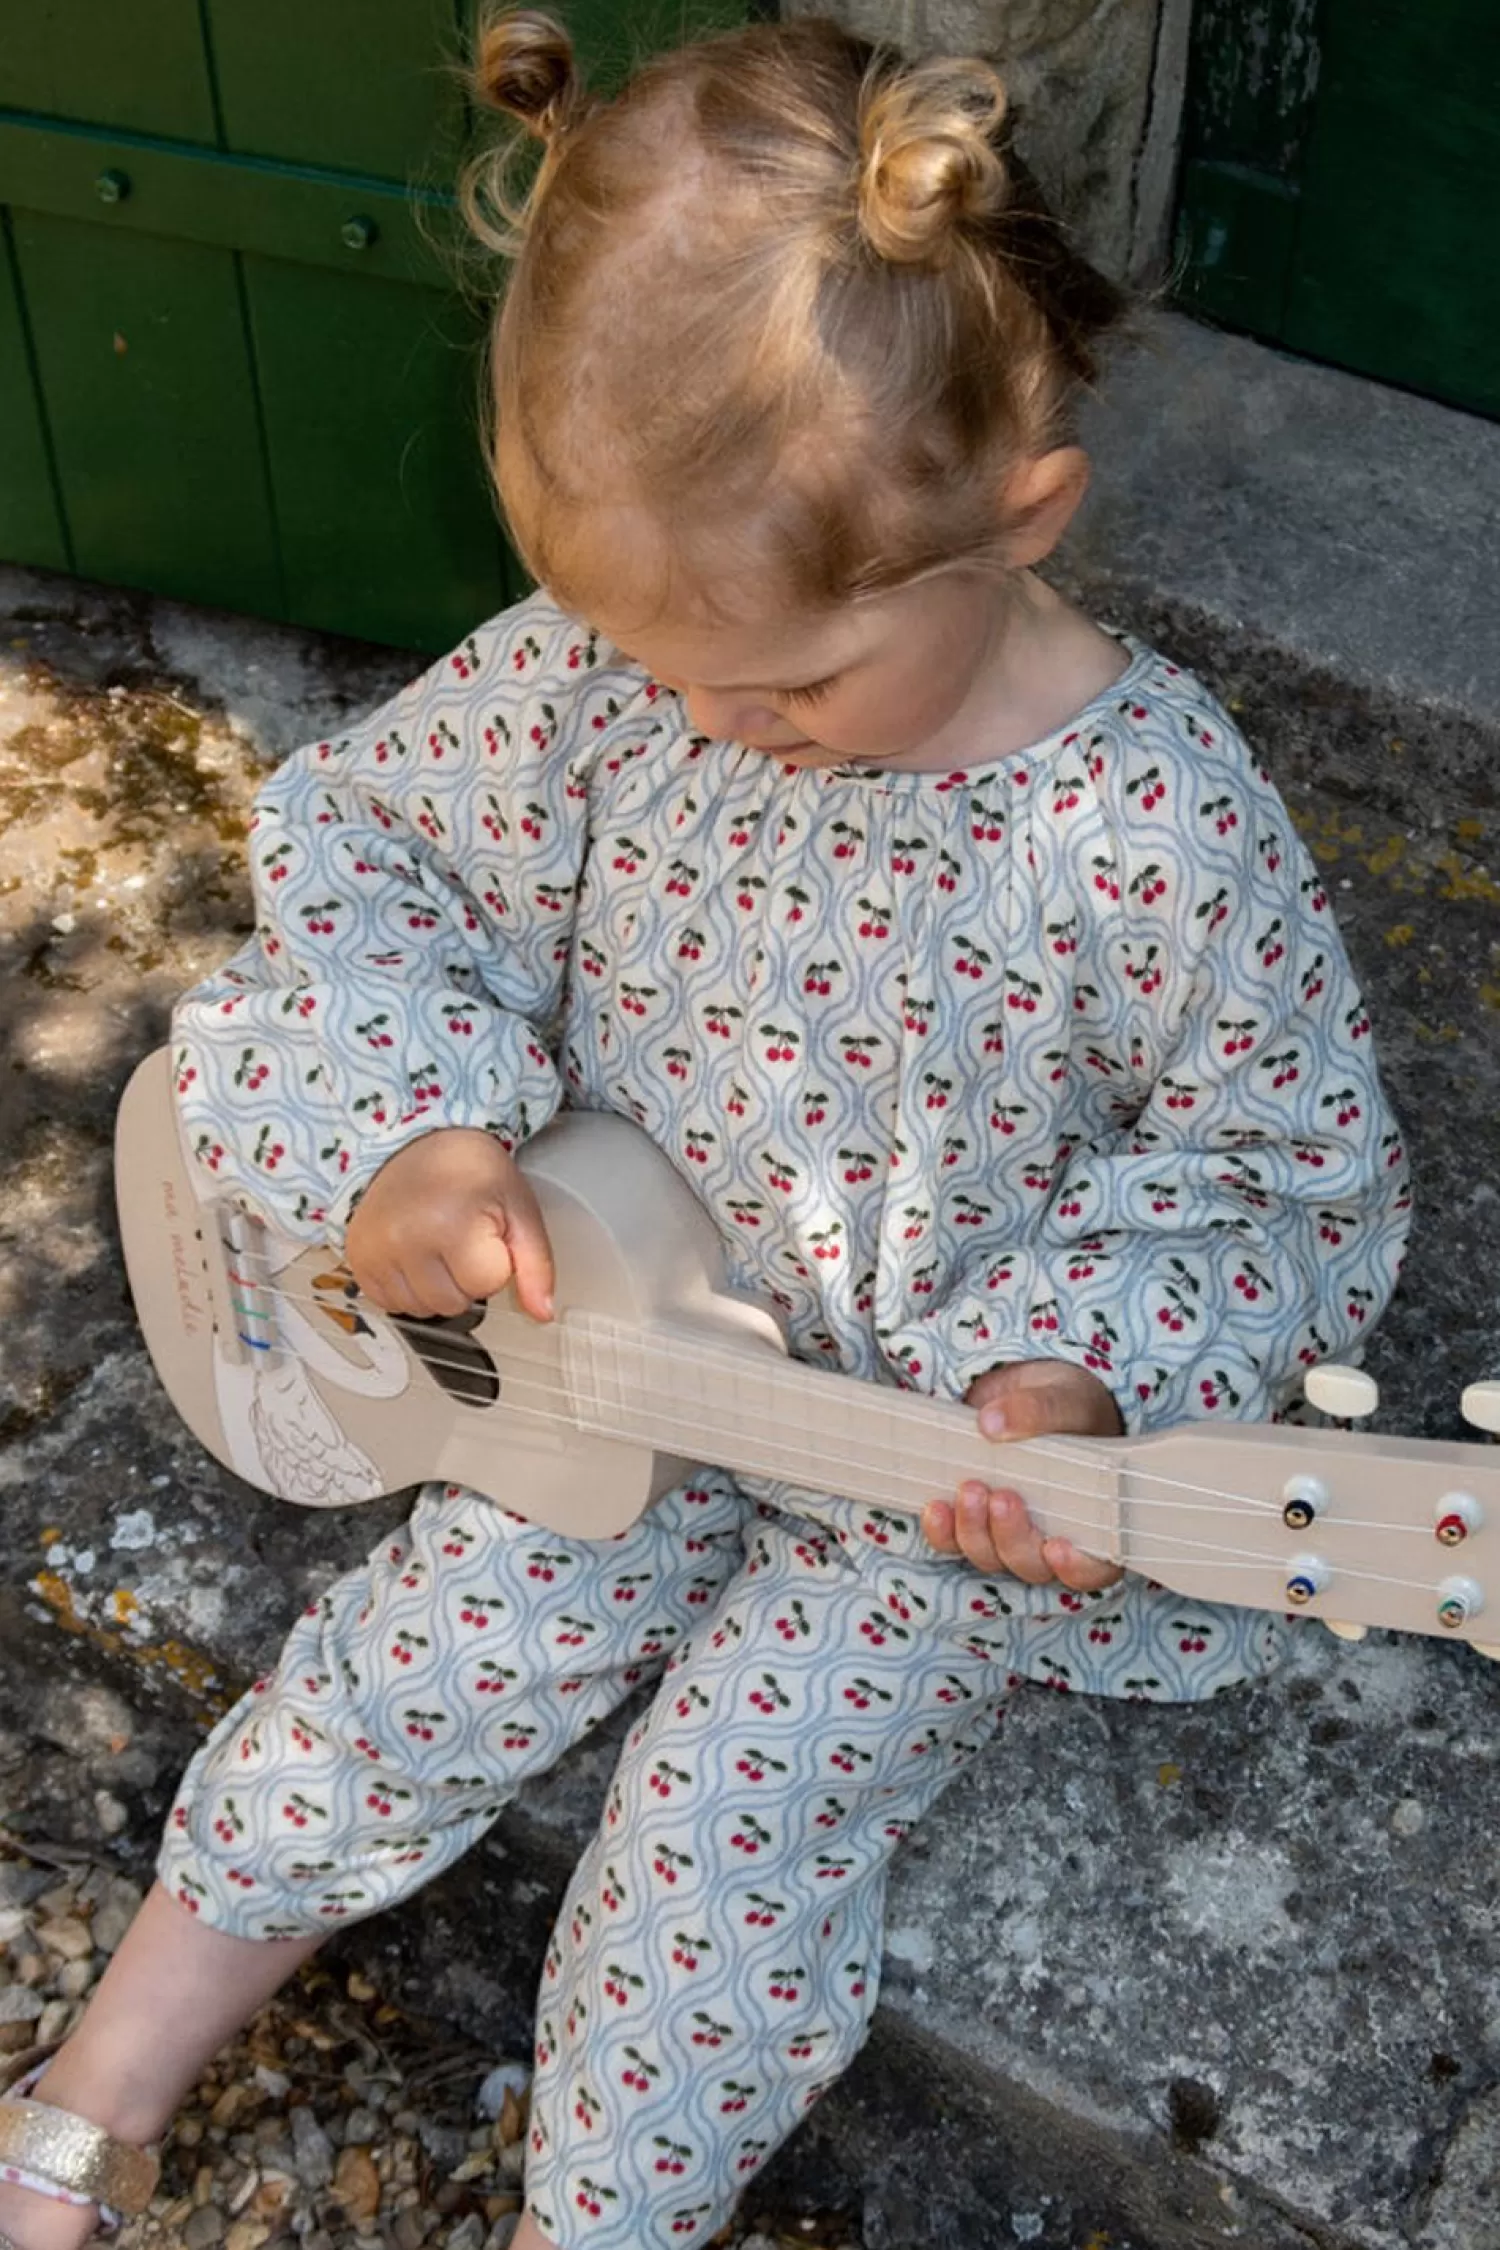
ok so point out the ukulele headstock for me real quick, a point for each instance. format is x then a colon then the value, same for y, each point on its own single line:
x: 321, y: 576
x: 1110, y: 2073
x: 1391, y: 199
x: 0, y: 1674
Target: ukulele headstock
x: 1356, y: 1529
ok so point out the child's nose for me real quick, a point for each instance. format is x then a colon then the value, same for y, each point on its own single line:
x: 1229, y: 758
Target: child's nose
x: 729, y: 715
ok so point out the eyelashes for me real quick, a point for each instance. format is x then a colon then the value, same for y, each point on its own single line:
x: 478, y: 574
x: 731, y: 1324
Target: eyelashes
x: 814, y: 692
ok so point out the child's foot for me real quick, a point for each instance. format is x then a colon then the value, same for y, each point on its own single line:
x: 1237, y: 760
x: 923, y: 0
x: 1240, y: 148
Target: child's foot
x: 44, y: 2139
x: 38, y: 2222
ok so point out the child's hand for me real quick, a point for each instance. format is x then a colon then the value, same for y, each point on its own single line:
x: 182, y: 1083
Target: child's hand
x: 450, y: 1218
x: 1035, y: 1398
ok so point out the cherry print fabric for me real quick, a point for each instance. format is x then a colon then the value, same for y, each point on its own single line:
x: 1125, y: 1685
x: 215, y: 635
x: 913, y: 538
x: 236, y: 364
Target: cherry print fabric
x: 1061, y: 1057
x: 1057, y: 1057
x: 717, y: 1958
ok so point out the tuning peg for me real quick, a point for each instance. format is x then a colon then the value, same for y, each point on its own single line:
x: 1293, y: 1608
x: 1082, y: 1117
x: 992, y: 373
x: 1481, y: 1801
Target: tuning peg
x: 1347, y: 1393
x: 1346, y: 1632
x: 1480, y: 1405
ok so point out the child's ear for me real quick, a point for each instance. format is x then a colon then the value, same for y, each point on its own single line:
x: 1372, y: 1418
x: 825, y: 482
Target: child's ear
x: 1039, y: 500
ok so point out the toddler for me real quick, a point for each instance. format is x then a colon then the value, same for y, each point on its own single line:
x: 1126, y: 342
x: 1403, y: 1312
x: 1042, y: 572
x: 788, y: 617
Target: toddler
x: 955, y: 950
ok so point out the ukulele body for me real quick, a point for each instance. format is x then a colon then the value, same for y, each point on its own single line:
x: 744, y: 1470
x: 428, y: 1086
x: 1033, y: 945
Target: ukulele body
x: 284, y: 1372
x: 652, y: 1365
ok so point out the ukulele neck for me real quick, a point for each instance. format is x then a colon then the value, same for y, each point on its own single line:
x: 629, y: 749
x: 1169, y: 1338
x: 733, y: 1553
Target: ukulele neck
x: 764, y: 1416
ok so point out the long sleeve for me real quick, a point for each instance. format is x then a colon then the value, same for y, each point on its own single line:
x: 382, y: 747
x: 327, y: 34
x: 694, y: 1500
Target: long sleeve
x: 1244, y: 1214
x: 415, y: 884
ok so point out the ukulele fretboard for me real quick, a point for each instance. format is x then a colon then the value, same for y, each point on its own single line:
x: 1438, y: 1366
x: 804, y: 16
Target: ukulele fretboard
x: 766, y: 1416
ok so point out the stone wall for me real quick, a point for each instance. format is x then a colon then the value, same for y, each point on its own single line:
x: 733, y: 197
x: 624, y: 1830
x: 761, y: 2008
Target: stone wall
x: 1097, y: 86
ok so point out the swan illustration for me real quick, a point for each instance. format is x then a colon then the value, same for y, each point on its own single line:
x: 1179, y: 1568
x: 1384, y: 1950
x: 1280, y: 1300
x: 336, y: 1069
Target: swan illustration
x: 283, y: 1432
x: 304, y: 1452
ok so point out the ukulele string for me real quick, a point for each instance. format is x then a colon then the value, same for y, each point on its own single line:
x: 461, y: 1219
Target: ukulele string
x: 937, y: 1413
x: 547, y: 1387
x: 1170, y: 1547
x: 914, y: 1408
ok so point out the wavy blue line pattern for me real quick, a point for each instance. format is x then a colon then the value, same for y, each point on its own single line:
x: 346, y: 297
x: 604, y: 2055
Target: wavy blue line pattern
x: 716, y: 1961
x: 1058, y: 1057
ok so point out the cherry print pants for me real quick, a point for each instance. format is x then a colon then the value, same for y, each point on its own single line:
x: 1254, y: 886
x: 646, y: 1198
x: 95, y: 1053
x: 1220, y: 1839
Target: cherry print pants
x: 714, y: 1967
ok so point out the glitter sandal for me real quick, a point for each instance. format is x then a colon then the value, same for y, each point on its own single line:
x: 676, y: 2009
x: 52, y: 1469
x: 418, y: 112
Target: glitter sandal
x: 55, y: 2153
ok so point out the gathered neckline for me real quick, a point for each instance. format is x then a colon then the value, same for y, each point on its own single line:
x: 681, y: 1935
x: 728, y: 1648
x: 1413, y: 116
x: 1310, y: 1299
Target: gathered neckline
x: 897, y: 781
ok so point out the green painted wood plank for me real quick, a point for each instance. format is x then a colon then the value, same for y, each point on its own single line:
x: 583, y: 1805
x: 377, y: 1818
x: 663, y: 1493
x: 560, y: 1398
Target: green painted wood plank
x: 1253, y: 69
x: 1236, y: 234
x: 370, y: 396
x: 357, y: 85
x: 31, y: 525
x: 169, y: 189
x: 1396, y: 271
x: 141, y: 65
x: 612, y: 39
x: 376, y: 85
x: 140, y: 350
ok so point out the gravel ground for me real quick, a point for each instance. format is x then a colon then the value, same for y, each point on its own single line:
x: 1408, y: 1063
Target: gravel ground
x: 337, y: 2121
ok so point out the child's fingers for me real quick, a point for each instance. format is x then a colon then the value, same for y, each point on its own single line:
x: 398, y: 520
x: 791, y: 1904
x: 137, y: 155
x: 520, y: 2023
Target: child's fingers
x: 1080, y: 1573
x: 1039, y: 1398
x: 443, y: 1295
x: 530, y: 1250
x: 386, y: 1286
x: 996, y: 1533
x: 992, y: 1530
x: 506, y: 1243
x: 938, y: 1527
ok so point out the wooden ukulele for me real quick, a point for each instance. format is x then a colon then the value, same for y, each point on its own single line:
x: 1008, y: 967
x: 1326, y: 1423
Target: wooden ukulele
x: 653, y: 1365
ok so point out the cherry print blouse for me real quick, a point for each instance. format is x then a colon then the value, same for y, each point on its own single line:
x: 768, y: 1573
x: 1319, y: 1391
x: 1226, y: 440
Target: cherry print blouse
x: 1057, y: 1056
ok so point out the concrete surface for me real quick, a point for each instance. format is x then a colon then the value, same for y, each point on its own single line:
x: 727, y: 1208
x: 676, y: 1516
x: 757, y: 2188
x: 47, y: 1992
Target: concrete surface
x: 1357, y: 527
x: 1157, y: 1980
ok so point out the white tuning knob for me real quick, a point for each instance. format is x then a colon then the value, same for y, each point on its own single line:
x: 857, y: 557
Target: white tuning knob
x: 1347, y: 1393
x: 1344, y: 1630
x: 1480, y: 1405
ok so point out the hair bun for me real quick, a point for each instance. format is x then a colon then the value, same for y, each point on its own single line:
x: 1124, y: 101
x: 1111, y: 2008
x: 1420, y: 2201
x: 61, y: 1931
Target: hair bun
x: 524, y: 65
x: 930, y: 156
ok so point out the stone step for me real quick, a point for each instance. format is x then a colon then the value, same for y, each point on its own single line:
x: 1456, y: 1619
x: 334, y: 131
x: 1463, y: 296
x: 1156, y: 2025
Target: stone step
x: 1156, y: 1979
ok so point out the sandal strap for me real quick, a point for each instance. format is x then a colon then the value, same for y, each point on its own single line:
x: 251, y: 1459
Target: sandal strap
x: 56, y: 2145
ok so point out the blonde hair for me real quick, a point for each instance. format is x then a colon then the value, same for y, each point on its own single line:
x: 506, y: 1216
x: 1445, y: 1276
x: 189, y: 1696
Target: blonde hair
x: 791, y: 297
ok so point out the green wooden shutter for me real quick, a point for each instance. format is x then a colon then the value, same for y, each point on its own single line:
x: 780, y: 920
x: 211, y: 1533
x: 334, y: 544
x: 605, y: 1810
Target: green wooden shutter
x: 233, y: 364
x: 1341, y: 185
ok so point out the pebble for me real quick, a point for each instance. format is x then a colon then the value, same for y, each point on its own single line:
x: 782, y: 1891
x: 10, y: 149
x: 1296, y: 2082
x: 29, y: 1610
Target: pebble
x: 445, y: 2144
x: 312, y: 2150
x: 69, y: 1938
x: 285, y: 2140
x: 55, y: 2021
x: 19, y: 1884
x: 356, y: 2183
x: 110, y: 1923
x: 506, y: 2078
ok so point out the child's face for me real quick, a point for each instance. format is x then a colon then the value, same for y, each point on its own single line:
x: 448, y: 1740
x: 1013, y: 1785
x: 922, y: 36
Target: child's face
x: 895, y: 678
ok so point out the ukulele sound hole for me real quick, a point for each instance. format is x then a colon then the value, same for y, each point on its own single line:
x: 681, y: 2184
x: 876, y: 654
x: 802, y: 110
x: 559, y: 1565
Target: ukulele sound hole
x: 457, y: 1363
